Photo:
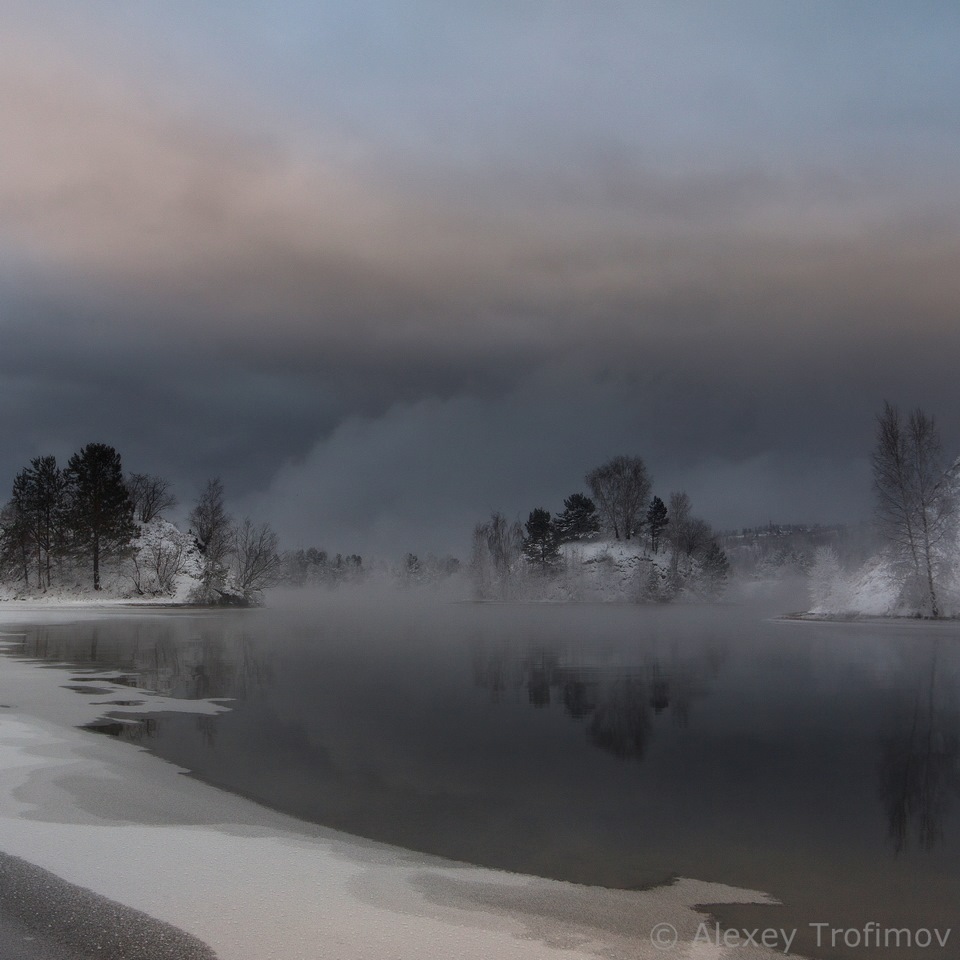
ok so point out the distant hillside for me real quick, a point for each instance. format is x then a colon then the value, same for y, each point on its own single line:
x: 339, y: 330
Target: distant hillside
x: 613, y: 570
x: 776, y: 550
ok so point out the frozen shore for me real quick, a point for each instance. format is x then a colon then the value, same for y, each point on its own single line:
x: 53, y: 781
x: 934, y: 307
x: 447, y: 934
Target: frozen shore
x: 253, y: 884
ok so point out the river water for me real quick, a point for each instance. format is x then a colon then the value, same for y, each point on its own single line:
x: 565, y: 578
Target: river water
x: 602, y: 744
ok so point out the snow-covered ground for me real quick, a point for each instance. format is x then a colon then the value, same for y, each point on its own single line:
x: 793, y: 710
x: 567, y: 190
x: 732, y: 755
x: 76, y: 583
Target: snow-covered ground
x: 614, y: 570
x: 883, y: 587
x: 876, y: 590
x: 258, y: 885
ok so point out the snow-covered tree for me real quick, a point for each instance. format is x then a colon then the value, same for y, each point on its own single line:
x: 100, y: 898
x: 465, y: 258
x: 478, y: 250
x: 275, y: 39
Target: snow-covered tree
x: 914, y: 505
x: 160, y: 555
x: 823, y: 580
x: 714, y: 570
x: 497, y: 546
x: 421, y: 571
x: 411, y: 570
x: 210, y: 523
x: 697, y: 561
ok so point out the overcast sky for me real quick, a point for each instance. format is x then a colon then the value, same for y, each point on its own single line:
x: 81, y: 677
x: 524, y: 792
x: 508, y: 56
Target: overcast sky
x: 388, y: 266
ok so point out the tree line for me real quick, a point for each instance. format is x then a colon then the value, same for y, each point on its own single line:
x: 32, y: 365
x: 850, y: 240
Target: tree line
x: 83, y: 512
x: 622, y: 508
x: 61, y: 523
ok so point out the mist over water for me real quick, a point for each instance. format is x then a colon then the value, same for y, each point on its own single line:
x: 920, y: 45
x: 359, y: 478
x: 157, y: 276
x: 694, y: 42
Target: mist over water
x: 618, y: 745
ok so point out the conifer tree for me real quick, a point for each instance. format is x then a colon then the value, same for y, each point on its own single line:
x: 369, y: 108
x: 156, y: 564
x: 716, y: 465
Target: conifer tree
x: 657, y: 520
x: 540, y: 543
x: 16, y: 548
x: 579, y: 519
x: 100, y: 510
x: 48, y: 494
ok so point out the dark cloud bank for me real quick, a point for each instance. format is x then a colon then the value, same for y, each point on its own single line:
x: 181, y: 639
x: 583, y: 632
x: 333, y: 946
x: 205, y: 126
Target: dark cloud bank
x: 375, y: 350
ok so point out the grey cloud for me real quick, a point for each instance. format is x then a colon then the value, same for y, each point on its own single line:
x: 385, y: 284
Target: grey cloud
x: 403, y: 340
x: 419, y: 476
x: 150, y: 209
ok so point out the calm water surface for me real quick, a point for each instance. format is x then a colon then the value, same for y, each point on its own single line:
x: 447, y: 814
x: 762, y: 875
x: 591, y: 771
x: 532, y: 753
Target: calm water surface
x: 612, y: 745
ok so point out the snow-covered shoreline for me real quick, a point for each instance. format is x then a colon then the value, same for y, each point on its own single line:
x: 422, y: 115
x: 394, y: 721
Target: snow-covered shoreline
x: 255, y: 884
x: 34, y: 605
x: 895, y: 618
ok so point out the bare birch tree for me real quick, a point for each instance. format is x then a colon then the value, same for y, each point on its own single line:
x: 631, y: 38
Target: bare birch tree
x: 151, y: 495
x: 211, y: 523
x: 914, y: 505
x: 256, y: 558
x: 497, y: 546
x: 621, y: 488
x: 680, y: 514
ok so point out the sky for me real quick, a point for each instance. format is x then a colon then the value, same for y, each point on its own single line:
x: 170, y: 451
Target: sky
x: 385, y: 267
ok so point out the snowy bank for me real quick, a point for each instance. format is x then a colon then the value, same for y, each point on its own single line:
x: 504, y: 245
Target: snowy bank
x: 876, y: 589
x: 256, y: 885
x: 915, y: 574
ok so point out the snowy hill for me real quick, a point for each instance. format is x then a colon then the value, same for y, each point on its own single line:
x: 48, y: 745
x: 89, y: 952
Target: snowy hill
x: 609, y: 570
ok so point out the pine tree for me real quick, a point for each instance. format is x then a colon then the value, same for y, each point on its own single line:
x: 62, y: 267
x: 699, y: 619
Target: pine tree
x: 17, y: 544
x: 38, y: 508
x: 657, y: 520
x: 48, y: 487
x: 100, y: 511
x: 579, y: 519
x: 540, y: 545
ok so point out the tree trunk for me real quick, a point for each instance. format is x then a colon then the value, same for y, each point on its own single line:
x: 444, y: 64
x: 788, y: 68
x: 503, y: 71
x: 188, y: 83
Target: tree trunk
x: 934, y: 606
x: 25, y: 559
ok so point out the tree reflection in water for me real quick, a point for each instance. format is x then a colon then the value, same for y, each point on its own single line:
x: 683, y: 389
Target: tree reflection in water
x: 176, y: 658
x: 624, y: 694
x: 621, y: 722
x: 617, y: 700
x: 919, y: 770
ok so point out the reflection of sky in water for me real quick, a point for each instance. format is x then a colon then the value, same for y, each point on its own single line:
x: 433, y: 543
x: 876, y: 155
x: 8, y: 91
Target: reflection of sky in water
x: 619, y: 746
